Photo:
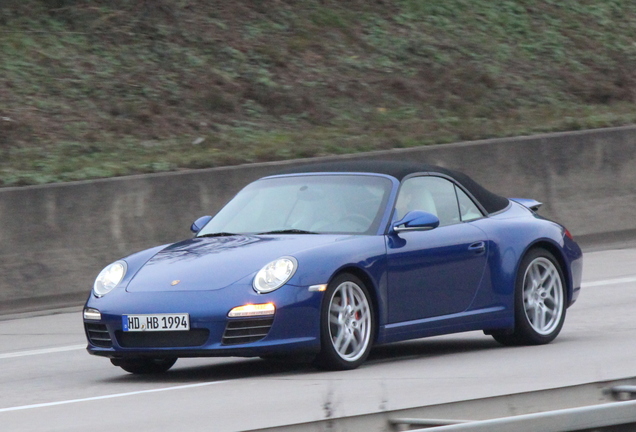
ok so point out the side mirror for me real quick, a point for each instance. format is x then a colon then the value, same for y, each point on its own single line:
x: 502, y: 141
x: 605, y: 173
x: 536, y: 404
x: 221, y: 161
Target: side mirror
x: 416, y: 220
x: 198, y: 224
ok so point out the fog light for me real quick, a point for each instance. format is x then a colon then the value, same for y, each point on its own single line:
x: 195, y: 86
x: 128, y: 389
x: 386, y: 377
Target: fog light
x: 251, y: 310
x: 92, y: 314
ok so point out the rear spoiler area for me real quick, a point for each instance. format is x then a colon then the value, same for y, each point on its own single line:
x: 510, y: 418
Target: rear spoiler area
x: 529, y: 203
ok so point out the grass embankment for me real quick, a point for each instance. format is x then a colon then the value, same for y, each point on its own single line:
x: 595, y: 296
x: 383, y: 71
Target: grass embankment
x: 113, y: 87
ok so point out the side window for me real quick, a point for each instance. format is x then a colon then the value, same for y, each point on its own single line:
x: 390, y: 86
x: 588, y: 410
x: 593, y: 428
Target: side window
x: 430, y: 194
x: 467, y: 208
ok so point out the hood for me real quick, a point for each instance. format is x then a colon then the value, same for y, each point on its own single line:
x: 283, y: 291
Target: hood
x: 213, y: 263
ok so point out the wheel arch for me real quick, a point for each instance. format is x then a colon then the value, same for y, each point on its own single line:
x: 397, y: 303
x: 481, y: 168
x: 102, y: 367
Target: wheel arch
x: 371, y: 288
x: 557, y: 252
x: 524, y: 332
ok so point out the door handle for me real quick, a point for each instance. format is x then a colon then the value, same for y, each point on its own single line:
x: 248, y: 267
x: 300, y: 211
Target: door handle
x: 477, y: 247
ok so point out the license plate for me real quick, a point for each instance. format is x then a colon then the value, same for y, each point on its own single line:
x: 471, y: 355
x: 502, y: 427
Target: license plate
x: 156, y: 322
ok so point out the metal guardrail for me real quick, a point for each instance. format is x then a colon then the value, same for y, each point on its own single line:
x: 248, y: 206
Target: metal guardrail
x: 591, y: 407
x: 594, y: 417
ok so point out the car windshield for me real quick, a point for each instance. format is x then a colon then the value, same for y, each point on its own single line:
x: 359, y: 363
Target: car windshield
x: 320, y: 204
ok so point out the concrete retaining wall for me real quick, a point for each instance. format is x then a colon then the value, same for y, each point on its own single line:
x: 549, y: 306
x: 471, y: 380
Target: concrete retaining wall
x: 54, y: 239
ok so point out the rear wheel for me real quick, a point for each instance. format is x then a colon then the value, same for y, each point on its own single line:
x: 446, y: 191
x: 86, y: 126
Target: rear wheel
x: 347, y: 324
x: 144, y: 365
x: 540, y: 301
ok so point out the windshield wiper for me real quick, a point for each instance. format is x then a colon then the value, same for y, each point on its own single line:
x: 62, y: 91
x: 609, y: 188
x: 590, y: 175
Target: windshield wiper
x: 218, y: 234
x: 288, y: 231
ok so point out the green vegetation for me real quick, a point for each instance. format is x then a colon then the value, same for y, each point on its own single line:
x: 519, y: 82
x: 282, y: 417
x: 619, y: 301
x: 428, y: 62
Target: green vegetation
x: 99, y: 88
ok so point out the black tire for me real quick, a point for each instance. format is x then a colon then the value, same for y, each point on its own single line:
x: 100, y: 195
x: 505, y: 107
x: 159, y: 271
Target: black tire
x: 347, y: 324
x: 540, y: 301
x: 145, y: 365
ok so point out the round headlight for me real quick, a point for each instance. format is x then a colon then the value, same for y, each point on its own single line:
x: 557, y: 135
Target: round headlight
x: 109, y: 278
x: 275, y: 274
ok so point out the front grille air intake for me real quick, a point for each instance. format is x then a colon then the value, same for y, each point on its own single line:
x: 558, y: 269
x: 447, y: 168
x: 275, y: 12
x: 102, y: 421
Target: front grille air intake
x: 98, y: 335
x: 163, y: 339
x: 244, y: 331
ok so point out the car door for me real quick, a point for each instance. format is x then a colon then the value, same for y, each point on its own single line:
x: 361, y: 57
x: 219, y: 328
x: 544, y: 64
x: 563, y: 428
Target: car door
x: 436, y: 272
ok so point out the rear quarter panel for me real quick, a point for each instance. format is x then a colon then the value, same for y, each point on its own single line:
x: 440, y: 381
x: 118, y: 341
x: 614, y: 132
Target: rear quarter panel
x: 512, y: 233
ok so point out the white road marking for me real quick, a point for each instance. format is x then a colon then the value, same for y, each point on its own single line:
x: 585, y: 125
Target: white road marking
x: 111, y: 396
x: 607, y: 282
x: 42, y: 351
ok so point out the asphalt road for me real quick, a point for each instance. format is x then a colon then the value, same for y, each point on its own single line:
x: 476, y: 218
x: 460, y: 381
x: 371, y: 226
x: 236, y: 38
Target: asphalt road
x: 49, y: 382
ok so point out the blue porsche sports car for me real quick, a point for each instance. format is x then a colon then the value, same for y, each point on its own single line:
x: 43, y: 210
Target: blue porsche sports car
x: 328, y: 260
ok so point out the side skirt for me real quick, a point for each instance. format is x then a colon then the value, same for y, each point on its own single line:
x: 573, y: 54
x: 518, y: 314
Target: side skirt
x: 492, y: 318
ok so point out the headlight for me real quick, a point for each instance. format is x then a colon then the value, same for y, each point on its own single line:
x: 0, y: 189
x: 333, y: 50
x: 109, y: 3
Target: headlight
x: 109, y: 278
x: 275, y: 274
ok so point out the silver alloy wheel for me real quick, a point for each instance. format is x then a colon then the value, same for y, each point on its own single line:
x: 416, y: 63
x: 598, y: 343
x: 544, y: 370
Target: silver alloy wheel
x: 543, y: 296
x: 349, y: 321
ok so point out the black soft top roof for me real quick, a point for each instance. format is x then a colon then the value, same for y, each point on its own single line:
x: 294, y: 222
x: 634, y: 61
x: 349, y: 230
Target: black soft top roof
x: 491, y: 202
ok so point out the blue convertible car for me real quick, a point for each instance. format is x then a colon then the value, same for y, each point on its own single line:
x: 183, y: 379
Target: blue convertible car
x: 329, y: 260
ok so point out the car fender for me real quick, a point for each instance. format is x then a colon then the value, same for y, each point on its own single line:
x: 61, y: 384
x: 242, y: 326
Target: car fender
x: 363, y: 255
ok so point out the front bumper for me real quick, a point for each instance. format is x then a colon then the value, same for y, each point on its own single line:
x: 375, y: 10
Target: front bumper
x: 294, y: 327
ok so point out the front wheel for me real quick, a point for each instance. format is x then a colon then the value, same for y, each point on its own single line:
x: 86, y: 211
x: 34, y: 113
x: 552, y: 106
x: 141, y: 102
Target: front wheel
x: 347, y: 324
x: 143, y: 365
x: 540, y: 301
